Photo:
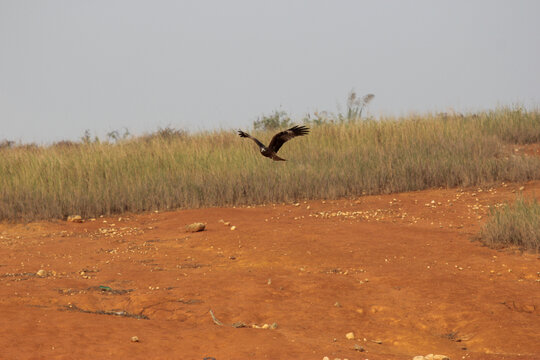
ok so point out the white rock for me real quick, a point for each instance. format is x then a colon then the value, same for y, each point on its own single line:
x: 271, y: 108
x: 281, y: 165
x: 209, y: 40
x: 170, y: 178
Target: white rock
x: 350, y: 336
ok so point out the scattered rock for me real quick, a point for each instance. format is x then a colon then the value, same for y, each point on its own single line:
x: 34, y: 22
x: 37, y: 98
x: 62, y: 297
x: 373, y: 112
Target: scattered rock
x: 41, y: 273
x: 350, y: 336
x: 326, y: 358
x: 233, y: 227
x: 134, y: 339
x: 195, y: 227
x: 337, y: 304
x: 75, y: 218
x: 357, y: 347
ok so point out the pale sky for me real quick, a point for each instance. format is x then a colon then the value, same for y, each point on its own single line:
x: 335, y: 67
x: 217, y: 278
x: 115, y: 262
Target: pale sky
x: 104, y: 65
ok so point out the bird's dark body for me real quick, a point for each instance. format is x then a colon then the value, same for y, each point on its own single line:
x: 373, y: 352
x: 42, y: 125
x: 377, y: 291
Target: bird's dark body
x: 277, y: 141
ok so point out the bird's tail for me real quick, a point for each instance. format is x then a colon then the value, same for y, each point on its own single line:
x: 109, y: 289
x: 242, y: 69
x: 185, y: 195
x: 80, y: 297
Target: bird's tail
x: 277, y: 158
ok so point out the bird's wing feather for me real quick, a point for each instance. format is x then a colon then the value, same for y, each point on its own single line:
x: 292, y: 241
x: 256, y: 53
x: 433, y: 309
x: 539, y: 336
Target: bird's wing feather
x: 246, y: 135
x: 280, y: 138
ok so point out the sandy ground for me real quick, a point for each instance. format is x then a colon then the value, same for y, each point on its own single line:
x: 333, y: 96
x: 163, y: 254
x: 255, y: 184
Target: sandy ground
x: 399, y: 271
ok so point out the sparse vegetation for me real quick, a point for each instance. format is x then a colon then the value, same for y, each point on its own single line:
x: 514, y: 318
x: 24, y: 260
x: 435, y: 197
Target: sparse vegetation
x: 172, y: 169
x: 516, y: 224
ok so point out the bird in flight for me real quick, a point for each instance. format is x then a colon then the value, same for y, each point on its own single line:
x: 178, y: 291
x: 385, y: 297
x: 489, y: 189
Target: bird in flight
x: 277, y: 141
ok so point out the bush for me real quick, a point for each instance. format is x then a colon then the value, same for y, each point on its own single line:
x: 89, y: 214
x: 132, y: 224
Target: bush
x: 516, y: 224
x: 278, y: 120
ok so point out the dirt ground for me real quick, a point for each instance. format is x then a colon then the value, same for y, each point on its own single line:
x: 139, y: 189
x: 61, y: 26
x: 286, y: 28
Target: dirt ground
x: 399, y: 271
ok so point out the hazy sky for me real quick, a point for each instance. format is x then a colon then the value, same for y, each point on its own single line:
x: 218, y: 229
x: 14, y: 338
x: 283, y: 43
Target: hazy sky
x: 103, y: 65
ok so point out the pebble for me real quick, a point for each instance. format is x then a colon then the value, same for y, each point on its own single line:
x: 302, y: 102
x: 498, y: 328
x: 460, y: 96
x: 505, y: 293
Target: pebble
x: 233, y: 227
x: 350, y: 336
x: 134, y: 339
x: 41, y: 273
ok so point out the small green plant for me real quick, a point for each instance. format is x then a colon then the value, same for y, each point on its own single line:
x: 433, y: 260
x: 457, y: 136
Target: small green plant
x: 516, y: 224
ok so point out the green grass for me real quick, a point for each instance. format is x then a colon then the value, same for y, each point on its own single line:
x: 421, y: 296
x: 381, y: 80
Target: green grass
x: 219, y: 168
x: 516, y: 224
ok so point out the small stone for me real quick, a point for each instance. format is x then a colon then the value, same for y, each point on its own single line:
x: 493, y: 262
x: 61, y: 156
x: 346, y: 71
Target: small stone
x: 418, y: 357
x: 350, y: 336
x: 440, y: 357
x: 195, y: 227
x: 75, y: 218
x: 274, y: 326
x: 233, y: 227
x: 41, y: 273
x: 357, y: 347
x: 326, y: 358
x: 134, y: 339
x: 337, y: 304
x: 266, y: 326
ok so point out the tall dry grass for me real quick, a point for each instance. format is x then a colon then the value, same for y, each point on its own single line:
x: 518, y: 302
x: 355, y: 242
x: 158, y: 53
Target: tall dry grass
x: 219, y: 168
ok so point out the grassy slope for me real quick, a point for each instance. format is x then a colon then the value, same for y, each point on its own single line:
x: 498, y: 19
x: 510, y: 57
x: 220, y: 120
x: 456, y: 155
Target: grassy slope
x: 212, y: 169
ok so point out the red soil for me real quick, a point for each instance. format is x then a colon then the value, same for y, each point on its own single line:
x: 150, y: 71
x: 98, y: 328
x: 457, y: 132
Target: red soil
x: 399, y: 271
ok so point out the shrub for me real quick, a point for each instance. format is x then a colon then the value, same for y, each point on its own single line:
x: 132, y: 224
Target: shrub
x: 278, y: 120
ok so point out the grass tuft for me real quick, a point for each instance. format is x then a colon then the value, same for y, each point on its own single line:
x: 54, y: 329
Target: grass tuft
x: 516, y: 224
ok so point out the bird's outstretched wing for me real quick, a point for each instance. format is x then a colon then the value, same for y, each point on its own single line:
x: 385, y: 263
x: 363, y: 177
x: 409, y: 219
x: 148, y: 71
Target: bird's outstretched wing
x: 280, y: 138
x: 246, y: 135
